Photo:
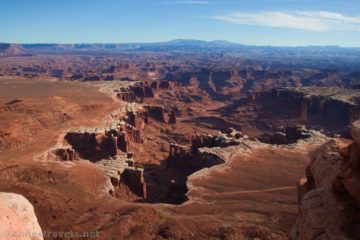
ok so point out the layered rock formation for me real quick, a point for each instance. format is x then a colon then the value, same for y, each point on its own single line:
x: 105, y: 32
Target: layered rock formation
x: 18, y: 219
x: 100, y: 144
x: 332, y: 106
x: 134, y: 114
x: 123, y: 173
x: 138, y: 115
x: 220, y: 140
x: 109, y: 148
x: 110, y: 151
x: 92, y: 146
x: 187, y: 158
x: 125, y: 95
x: 141, y: 90
x: 289, y: 135
x: 329, y: 196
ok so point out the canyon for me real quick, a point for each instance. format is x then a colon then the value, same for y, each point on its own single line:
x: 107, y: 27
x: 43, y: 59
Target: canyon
x: 182, y: 144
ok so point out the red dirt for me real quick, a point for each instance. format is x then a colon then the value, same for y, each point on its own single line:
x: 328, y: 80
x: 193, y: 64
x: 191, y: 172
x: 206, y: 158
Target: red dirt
x: 70, y: 196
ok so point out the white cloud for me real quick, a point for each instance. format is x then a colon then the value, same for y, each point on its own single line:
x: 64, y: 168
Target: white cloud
x: 188, y: 2
x: 304, y: 20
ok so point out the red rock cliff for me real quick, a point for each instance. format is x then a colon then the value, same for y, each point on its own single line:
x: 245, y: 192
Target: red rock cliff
x: 329, y: 197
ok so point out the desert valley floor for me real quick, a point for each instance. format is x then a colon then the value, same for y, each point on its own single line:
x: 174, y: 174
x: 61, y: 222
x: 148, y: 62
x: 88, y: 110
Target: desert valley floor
x: 182, y: 146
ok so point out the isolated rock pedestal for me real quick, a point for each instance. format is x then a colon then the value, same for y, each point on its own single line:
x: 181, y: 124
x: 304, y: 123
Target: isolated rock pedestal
x: 17, y: 218
x: 172, y: 118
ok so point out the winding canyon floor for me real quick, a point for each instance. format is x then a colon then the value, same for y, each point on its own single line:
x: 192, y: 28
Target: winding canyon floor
x: 251, y: 196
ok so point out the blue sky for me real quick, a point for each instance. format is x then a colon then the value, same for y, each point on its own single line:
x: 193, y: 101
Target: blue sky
x: 256, y: 22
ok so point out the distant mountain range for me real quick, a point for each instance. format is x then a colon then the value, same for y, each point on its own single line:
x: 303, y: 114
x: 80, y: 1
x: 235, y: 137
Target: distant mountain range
x: 178, y: 45
x: 11, y: 50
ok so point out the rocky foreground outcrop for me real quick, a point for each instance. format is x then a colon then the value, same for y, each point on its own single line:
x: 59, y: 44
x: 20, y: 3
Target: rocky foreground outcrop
x: 17, y: 218
x: 329, y: 196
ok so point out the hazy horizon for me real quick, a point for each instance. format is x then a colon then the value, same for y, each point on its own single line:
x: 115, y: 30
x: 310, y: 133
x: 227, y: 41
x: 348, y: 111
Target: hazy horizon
x: 170, y: 40
x: 258, y: 22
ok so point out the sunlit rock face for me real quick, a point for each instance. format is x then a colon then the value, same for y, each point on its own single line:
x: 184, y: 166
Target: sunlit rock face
x: 329, y: 199
x: 17, y: 218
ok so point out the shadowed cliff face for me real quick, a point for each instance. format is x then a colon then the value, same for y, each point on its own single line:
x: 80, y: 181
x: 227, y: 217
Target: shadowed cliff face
x: 167, y: 183
x: 92, y: 146
x: 329, y: 107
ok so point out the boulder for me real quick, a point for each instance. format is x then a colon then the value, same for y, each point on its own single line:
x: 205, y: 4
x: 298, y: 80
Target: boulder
x: 17, y: 218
